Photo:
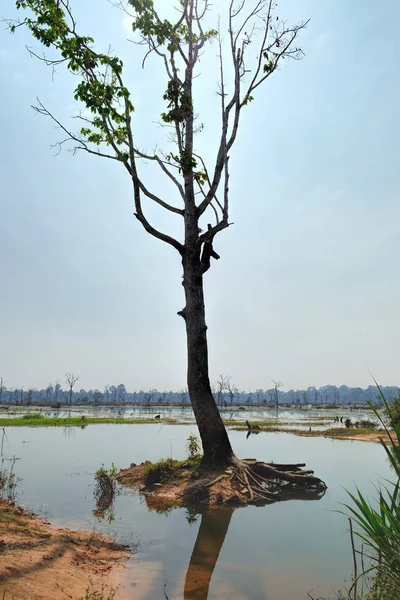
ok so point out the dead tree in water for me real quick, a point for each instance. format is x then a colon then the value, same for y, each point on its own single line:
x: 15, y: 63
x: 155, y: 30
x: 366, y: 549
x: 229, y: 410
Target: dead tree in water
x: 70, y: 380
x: 257, y: 42
x: 277, y: 386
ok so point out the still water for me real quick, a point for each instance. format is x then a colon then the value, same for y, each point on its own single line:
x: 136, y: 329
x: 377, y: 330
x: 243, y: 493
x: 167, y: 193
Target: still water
x: 299, y: 417
x: 277, y: 552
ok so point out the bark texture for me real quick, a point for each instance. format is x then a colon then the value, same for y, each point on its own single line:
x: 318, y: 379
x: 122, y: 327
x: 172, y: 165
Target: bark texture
x: 215, y: 441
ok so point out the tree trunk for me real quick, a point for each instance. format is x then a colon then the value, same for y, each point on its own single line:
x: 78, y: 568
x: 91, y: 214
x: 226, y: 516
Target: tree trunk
x: 215, y: 441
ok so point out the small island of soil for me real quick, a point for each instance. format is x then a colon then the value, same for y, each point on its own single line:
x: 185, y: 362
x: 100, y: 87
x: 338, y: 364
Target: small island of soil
x: 183, y: 483
x: 38, y: 561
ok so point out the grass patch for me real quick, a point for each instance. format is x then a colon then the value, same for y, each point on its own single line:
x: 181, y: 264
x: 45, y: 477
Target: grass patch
x: 7, y: 517
x: 92, y: 594
x: 169, y: 469
x: 35, y: 421
x: 351, y: 431
x: 341, y: 433
x: 34, y: 416
x: 273, y: 423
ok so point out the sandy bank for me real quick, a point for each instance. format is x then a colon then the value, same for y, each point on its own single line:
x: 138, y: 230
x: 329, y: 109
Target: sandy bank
x: 38, y: 561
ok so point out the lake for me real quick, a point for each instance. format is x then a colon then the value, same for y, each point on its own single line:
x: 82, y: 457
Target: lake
x: 276, y: 552
x: 300, y: 417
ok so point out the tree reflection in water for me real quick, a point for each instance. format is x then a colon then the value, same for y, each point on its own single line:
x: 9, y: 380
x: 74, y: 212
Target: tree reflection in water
x: 212, y: 532
x: 210, y: 538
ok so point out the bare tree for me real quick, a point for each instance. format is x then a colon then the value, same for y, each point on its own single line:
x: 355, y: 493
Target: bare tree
x: 257, y: 41
x: 1, y: 389
x: 222, y: 386
x: 277, y: 386
x: 70, y: 380
x: 231, y: 389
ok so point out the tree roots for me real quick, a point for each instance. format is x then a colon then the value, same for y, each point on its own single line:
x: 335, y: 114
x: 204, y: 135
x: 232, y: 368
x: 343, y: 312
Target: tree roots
x: 270, y: 482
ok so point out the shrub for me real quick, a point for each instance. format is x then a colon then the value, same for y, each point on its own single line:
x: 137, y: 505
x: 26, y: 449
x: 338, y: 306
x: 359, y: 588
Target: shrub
x: 392, y: 412
x: 367, y: 424
x: 101, y: 595
x: 104, y: 492
x: 192, y: 445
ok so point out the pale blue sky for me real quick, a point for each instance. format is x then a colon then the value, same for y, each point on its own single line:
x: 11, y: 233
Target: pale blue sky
x: 307, y: 289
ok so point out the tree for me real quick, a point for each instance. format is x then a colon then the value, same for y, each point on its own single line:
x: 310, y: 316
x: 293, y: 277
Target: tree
x: 260, y: 396
x: 29, y: 396
x: 107, y: 392
x: 113, y: 390
x: 97, y: 396
x: 121, y: 392
x: 10, y: 395
x: 277, y: 386
x: 231, y: 389
x: 49, y: 392
x: 70, y: 380
x: 1, y: 389
x: 222, y: 385
x: 257, y: 42
x: 148, y: 396
x: 57, y: 388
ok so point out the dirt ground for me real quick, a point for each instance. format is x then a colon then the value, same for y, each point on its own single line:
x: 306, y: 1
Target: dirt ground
x: 39, y: 562
x: 183, y: 487
x: 353, y: 434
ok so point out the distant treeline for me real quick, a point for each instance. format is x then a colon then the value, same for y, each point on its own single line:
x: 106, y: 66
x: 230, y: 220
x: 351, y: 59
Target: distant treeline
x: 225, y: 395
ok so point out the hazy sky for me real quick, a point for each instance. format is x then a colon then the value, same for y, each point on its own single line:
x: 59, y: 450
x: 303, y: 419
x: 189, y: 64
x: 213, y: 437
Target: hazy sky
x: 307, y: 289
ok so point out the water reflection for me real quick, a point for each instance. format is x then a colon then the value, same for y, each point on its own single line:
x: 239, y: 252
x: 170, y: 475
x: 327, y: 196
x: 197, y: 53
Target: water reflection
x: 276, y: 553
x: 69, y: 432
x: 211, y: 535
x: 213, y: 528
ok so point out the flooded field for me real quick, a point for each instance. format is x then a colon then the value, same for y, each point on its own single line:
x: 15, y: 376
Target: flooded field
x: 295, y: 418
x: 278, y: 552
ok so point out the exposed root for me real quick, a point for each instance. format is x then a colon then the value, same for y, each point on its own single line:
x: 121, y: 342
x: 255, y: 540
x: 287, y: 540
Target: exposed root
x: 268, y: 481
x: 239, y: 483
x: 214, y: 481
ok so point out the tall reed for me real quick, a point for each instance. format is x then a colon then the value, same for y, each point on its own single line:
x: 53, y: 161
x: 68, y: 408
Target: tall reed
x: 379, y: 523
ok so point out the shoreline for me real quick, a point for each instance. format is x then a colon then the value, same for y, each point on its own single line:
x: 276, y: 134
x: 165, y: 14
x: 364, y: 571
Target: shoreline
x: 337, y: 433
x: 39, y: 561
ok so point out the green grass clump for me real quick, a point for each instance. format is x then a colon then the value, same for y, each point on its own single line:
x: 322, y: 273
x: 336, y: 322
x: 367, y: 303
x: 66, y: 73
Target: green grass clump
x: 168, y: 469
x: 43, y: 421
x: 98, y: 595
x: 7, y: 517
x: 32, y: 417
